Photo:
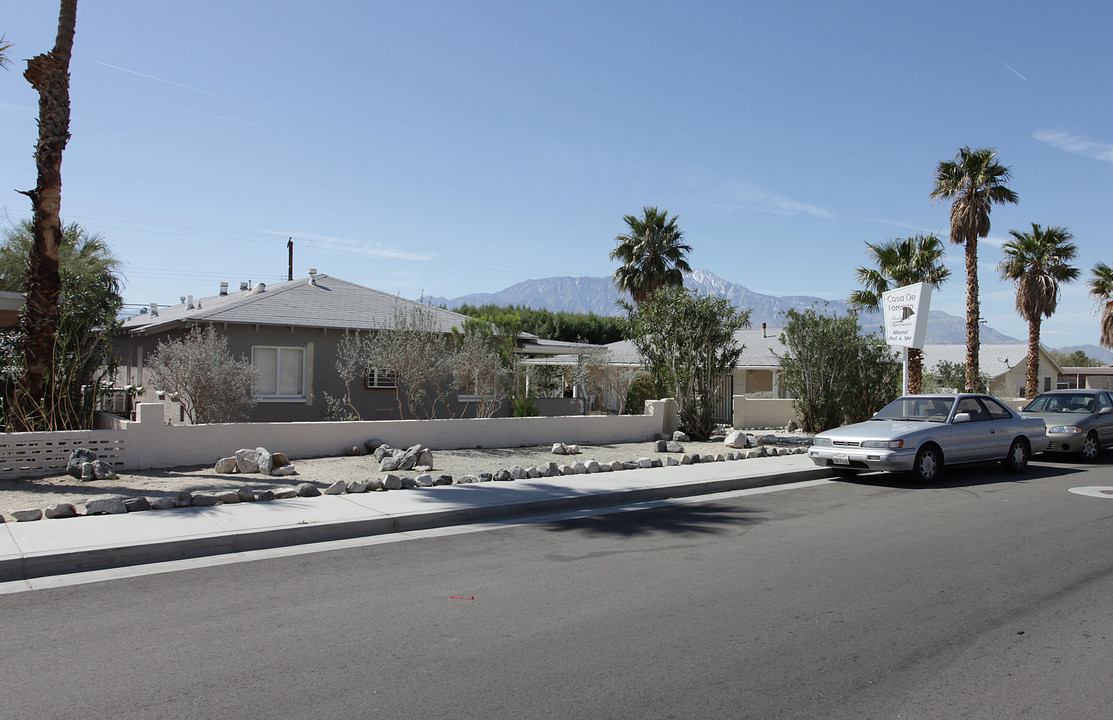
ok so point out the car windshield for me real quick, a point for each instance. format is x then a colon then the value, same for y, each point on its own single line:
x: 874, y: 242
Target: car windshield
x: 916, y: 408
x: 1062, y: 403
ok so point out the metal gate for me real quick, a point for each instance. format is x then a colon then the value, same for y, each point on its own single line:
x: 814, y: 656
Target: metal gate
x: 723, y: 402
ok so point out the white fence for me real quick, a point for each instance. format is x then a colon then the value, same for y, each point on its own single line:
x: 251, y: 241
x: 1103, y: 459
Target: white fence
x: 149, y: 443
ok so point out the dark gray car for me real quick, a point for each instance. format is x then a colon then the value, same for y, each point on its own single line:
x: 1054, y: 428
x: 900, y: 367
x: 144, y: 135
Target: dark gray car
x: 1078, y: 421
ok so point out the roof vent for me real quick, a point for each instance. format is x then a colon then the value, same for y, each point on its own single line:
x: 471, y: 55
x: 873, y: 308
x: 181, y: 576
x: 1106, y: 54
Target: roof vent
x: 189, y: 306
x: 223, y: 288
x: 260, y: 288
x: 312, y: 276
x: 243, y: 286
x: 182, y: 300
x: 154, y: 309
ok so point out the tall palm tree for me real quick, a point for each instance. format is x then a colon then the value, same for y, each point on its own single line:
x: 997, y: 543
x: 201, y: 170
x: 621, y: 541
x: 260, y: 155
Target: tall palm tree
x: 974, y: 181
x: 900, y: 262
x: 1037, y: 261
x: 652, y: 253
x: 49, y: 74
x: 1101, y: 287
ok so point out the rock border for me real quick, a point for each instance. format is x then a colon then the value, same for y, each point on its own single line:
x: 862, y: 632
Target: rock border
x: 108, y: 504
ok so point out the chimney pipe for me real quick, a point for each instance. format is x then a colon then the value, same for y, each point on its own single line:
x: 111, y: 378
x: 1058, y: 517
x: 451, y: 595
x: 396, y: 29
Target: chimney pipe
x: 154, y: 309
x: 243, y: 286
x: 189, y: 305
x: 290, y: 247
x: 223, y: 288
x: 313, y: 276
x: 763, y: 330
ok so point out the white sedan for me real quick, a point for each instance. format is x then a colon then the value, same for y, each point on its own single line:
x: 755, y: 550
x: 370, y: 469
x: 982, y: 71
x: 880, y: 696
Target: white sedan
x: 918, y: 434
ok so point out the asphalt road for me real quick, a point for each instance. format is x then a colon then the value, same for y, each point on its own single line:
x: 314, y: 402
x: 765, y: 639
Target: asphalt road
x: 987, y: 595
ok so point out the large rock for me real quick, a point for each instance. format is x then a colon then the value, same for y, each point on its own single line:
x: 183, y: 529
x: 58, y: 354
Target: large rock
x: 225, y: 465
x: 425, y: 458
x: 373, y: 444
x: 265, y: 460
x: 392, y: 482
x: 103, y: 470
x: 389, y: 464
x: 27, y: 515
x: 78, y: 457
x: 162, y: 503
x: 337, y: 488
x: 105, y: 505
x: 284, y: 470
x: 308, y: 490
x: 736, y: 439
x: 247, y: 460
x: 673, y: 446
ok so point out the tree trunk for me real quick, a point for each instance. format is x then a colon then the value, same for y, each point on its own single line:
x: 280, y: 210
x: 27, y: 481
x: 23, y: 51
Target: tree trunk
x: 49, y: 75
x: 973, y: 315
x: 1032, y: 377
x: 915, y: 371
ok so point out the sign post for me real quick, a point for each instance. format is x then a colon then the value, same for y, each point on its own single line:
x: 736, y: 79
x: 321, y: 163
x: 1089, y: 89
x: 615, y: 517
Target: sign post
x: 906, y: 312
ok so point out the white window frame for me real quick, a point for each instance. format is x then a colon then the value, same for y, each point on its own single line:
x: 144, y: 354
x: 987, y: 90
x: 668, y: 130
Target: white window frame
x: 376, y: 379
x: 300, y: 397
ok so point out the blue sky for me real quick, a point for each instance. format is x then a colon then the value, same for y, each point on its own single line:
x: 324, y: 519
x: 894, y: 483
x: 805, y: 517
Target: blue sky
x: 449, y: 148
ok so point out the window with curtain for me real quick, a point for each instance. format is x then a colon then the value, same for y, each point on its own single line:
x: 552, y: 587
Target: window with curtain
x: 281, y: 372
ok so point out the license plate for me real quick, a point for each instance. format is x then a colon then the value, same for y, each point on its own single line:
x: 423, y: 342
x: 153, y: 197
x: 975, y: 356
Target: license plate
x: 841, y: 460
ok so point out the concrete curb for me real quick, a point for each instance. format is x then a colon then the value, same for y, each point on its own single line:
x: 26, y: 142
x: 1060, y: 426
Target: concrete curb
x: 25, y: 566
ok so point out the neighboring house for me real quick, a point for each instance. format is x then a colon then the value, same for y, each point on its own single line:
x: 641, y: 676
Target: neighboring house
x: 1005, y: 365
x: 1098, y: 378
x: 290, y: 331
x: 756, y: 374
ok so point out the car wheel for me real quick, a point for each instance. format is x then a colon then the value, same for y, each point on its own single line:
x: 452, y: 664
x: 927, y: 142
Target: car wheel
x: 847, y: 472
x: 1090, y: 447
x: 928, y: 465
x: 1017, y: 459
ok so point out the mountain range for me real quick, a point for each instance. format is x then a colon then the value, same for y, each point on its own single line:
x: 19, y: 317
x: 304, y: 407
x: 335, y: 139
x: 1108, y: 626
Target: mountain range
x: 598, y: 295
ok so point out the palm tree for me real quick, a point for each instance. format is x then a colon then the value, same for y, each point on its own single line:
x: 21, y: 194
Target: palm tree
x: 898, y: 263
x: 5, y: 46
x: 652, y: 253
x: 1101, y: 287
x: 1037, y: 262
x: 49, y: 74
x: 974, y: 181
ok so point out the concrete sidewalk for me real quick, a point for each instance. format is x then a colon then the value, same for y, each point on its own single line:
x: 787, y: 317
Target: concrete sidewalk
x: 53, y: 547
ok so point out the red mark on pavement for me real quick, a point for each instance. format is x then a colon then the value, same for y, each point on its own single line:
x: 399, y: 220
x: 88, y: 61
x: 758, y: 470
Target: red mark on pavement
x: 457, y: 597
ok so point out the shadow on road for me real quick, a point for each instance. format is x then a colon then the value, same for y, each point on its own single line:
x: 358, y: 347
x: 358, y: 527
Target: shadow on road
x: 693, y: 519
x: 973, y: 475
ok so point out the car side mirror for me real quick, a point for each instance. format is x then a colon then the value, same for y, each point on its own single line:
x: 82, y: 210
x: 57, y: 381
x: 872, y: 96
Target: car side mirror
x: 961, y: 418
x: 1105, y: 410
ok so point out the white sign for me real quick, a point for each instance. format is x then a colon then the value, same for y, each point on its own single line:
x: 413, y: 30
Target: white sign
x: 906, y: 313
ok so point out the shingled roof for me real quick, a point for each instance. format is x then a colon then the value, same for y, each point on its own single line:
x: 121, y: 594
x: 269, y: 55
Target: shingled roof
x: 318, y: 302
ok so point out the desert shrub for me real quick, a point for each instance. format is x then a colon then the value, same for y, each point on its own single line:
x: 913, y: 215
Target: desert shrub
x: 200, y: 371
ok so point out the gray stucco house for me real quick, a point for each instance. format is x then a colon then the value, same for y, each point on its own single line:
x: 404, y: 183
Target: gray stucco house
x: 290, y: 331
